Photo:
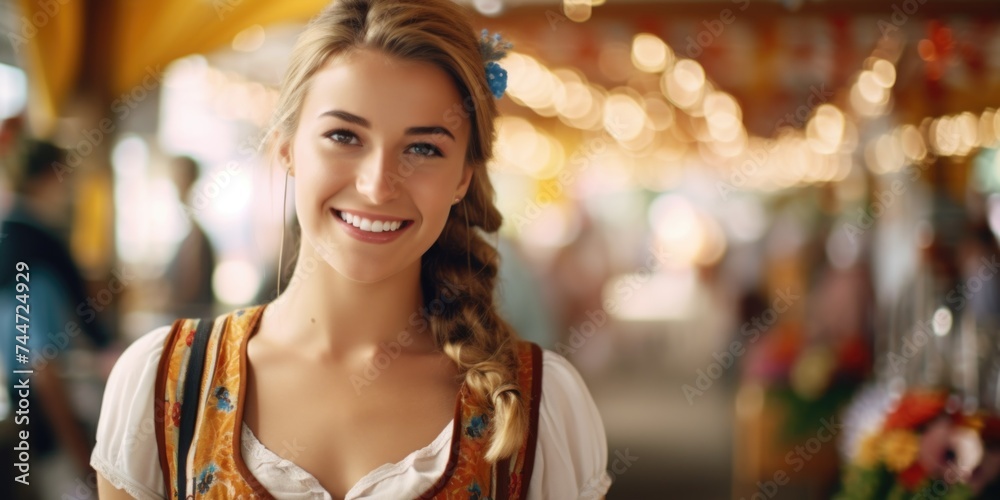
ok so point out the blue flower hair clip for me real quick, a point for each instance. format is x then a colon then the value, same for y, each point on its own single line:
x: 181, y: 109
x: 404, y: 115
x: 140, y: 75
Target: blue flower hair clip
x: 492, y: 49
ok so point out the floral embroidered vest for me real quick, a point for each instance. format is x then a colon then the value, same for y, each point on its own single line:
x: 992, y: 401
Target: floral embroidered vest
x: 215, y: 468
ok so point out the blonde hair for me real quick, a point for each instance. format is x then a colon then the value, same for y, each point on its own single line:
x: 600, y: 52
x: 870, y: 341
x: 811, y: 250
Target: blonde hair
x: 466, y: 326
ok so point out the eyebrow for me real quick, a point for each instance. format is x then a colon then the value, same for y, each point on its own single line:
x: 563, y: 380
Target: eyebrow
x: 352, y: 118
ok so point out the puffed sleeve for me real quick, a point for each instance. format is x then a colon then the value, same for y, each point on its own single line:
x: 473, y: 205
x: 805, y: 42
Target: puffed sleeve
x: 126, y: 452
x: 571, y: 458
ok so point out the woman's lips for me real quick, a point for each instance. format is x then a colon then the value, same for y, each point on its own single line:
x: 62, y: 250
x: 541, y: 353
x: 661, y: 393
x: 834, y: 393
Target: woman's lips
x: 373, y: 228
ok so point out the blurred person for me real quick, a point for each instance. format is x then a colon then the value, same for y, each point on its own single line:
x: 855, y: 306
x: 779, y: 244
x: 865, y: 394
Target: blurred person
x: 387, y: 337
x: 189, y: 273
x: 33, y: 232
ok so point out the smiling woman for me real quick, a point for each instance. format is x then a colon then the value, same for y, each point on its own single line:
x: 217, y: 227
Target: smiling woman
x: 370, y: 143
x: 385, y: 124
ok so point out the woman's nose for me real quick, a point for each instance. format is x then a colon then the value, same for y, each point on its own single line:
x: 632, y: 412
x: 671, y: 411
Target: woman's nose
x: 379, y: 177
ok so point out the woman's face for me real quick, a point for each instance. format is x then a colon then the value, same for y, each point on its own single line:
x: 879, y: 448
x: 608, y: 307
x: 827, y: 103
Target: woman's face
x: 378, y: 143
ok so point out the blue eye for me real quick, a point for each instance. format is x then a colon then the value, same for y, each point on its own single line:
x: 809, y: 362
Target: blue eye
x: 342, y: 136
x: 425, y: 149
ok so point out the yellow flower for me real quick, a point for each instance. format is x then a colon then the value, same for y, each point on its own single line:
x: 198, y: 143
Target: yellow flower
x: 811, y: 374
x: 899, y: 449
x: 868, y: 451
x: 974, y: 422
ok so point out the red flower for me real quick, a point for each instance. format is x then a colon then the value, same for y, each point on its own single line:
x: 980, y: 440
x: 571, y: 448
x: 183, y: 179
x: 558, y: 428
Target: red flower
x: 175, y: 414
x: 915, y: 409
x: 912, y: 476
x: 853, y: 357
x: 515, y: 482
x: 991, y: 431
x: 786, y: 345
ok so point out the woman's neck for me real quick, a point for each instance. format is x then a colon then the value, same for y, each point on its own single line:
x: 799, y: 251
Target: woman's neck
x: 323, y: 313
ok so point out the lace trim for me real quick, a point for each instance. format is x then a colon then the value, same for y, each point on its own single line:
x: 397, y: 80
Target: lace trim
x: 123, y: 482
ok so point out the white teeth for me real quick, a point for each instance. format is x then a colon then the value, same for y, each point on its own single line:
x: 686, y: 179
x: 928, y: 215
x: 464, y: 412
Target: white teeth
x: 368, y: 225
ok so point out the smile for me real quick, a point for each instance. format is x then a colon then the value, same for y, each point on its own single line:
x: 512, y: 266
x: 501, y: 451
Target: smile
x: 366, y: 224
x: 371, y: 228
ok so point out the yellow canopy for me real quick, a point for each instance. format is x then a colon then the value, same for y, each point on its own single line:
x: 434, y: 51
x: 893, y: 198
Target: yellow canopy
x: 140, y: 37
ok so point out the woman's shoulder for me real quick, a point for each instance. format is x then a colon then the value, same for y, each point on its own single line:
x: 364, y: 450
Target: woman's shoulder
x: 125, y: 452
x: 148, y: 345
x: 134, y: 374
x: 552, y: 373
x: 572, y: 449
x: 564, y: 390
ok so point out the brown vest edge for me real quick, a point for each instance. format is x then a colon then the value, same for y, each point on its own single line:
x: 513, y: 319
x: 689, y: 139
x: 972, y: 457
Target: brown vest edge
x: 241, y: 466
x: 159, y: 403
x: 536, y: 403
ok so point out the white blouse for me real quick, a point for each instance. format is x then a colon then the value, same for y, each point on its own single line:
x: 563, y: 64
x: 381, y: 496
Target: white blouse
x: 570, y: 460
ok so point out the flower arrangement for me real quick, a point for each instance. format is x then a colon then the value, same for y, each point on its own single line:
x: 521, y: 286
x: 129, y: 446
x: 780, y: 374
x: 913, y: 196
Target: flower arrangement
x: 813, y: 380
x: 925, y: 449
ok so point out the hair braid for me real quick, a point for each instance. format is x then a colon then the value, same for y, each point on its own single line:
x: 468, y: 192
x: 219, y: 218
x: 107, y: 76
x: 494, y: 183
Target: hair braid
x: 470, y: 330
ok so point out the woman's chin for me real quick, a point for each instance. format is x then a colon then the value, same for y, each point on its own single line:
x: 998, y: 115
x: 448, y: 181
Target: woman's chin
x: 367, y: 272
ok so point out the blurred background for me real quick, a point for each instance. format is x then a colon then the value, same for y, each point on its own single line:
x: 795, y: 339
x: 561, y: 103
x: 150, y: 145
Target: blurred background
x: 764, y: 231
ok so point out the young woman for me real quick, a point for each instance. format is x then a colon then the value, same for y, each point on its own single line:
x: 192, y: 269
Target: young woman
x: 383, y: 370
